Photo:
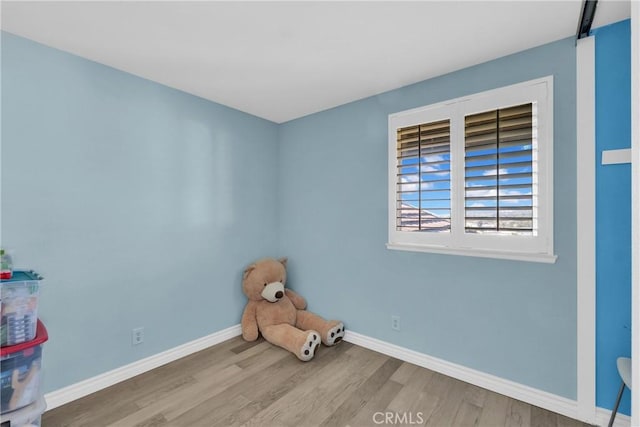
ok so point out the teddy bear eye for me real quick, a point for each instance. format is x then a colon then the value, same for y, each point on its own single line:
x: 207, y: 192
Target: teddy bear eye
x: 265, y: 285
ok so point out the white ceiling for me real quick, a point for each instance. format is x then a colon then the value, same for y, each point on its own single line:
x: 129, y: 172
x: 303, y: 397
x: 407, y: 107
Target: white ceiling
x: 283, y: 60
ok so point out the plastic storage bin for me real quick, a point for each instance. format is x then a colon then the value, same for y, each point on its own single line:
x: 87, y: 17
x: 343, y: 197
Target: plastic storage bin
x: 19, y: 296
x: 29, y: 416
x: 20, y: 372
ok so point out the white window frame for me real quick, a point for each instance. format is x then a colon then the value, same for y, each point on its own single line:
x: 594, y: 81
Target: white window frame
x: 536, y: 248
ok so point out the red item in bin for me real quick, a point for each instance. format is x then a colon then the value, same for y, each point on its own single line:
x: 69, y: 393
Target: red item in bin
x: 41, y: 337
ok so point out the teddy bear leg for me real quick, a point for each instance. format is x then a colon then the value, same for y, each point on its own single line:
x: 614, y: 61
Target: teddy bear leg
x: 331, y: 331
x: 301, y: 343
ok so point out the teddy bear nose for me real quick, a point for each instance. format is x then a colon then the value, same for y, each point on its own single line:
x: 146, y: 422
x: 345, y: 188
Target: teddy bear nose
x: 279, y: 294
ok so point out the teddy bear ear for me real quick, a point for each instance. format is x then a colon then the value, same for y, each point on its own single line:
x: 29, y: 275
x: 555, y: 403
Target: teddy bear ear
x: 248, y: 270
x: 283, y: 261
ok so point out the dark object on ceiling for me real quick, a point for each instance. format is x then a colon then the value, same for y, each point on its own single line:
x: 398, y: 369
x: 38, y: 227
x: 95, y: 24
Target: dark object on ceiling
x: 586, y: 18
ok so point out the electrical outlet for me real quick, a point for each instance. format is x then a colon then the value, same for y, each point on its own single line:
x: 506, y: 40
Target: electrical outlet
x: 137, y: 336
x: 395, y: 323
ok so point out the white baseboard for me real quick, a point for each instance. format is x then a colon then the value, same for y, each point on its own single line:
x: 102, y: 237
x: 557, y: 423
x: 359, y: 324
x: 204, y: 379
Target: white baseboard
x: 533, y: 396
x: 543, y: 399
x: 107, y: 379
x: 603, y: 415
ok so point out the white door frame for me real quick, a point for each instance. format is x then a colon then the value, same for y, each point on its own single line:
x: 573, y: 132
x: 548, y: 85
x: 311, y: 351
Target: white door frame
x: 635, y: 207
x: 586, y: 224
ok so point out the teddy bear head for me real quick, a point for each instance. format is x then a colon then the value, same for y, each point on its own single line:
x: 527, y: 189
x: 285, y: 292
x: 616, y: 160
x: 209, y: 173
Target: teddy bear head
x: 265, y: 279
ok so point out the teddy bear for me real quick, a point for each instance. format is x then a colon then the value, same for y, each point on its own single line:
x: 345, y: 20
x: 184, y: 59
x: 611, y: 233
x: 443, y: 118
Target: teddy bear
x: 279, y: 314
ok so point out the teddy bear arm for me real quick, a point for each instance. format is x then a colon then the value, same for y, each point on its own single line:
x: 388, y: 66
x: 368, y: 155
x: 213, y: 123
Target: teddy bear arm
x: 298, y: 301
x: 249, y: 323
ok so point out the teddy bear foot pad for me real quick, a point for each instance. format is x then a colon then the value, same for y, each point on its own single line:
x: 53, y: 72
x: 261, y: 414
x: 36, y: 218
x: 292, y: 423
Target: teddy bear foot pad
x: 335, y: 334
x: 310, y: 346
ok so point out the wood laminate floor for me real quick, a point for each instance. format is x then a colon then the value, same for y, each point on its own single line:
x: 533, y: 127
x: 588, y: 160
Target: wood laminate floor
x: 257, y: 384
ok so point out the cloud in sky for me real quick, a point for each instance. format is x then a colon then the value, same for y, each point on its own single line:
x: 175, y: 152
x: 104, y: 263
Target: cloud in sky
x: 410, y: 183
x: 433, y: 158
x: 491, y: 197
x: 482, y: 193
x: 493, y: 172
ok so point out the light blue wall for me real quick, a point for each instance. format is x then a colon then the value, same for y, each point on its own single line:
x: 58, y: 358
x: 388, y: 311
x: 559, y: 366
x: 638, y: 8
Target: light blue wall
x: 613, y: 210
x: 140, y: 205
x: 516, y: 320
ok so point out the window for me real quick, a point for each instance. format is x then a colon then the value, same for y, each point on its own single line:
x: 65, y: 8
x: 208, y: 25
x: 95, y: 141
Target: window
x: 473, y: 176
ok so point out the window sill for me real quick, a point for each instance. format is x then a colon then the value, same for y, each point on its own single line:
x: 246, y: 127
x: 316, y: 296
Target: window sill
x: 516, y: 256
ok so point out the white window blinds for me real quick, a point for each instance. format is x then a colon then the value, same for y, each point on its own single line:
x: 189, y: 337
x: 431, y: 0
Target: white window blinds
x: 499, y: 171
x: 423, y: 195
